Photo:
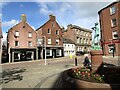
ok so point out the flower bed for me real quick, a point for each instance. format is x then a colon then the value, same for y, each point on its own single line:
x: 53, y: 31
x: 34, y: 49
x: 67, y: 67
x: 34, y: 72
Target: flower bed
x: 103, y: 75
x: 86, y: 75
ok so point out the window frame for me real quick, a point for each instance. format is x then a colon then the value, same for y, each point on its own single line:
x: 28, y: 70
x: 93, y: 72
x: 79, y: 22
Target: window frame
x: 113, y: 10
x: 17, y: 33
x: 30, y: 34
x: 112, y: 22
x: 17, y: 43
x: 49, y: 42
x: 29, y: 43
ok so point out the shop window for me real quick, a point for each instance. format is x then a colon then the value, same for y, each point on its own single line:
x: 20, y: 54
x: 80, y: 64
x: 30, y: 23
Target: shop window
x: 17, y: 56
x: 49, y: 52
x: 58, y: 52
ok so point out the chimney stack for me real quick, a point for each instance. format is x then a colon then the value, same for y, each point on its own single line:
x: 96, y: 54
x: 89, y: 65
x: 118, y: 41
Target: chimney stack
x: 23, y: 18
x: 52, y: 17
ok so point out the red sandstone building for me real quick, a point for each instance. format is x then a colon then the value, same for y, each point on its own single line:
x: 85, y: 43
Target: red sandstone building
x: 110, y: 28
x: 49, y: 35
x: 80, y: 36
x: 0, y: 42
x: 21, y: 41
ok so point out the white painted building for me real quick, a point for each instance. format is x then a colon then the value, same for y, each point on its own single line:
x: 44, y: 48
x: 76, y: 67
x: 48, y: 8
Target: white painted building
x: 69, y: 47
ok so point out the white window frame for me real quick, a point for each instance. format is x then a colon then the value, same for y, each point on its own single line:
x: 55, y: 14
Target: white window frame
x: 29, y: 43
x: 113, y: 10
x: 112, y: 23
x: 50, y: 52
x: 59, y: 50
x: 17, y: 34
x: 17, y: 43
x: 49, y: 40
x: 57, y: 40
x: 39, y: 41
x: 114, y: 33
x: 29, y: 34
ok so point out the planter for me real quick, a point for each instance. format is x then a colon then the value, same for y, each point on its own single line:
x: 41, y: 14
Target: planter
x: 96, y: 59
x: 69, y: 82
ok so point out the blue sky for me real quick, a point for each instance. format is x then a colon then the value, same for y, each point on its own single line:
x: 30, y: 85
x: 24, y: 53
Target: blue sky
x: 83, y: 14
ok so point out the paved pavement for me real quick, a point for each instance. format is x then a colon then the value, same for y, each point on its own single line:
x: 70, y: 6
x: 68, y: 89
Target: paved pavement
x: 34, y: 74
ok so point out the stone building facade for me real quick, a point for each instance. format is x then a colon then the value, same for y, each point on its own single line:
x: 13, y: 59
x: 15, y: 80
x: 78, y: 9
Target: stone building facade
x: 69, y: 47
x: 82, y: 37
x: 49, y: 36
x: 21, y: 41
x: 110, y: 28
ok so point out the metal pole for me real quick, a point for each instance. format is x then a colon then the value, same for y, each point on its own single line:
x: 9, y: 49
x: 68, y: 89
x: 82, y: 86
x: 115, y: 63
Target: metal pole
x: 45, y: 49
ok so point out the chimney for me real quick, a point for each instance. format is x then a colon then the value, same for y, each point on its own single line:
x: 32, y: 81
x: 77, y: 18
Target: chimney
x: 52, y: 17
x: 23, y: 18
x: 69, y: 26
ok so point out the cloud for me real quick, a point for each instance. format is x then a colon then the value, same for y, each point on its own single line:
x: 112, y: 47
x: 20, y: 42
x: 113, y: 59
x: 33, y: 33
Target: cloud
x: 4, y: 36
x: 44, y: 8
x: 79, y: 13
x: 10, y: 23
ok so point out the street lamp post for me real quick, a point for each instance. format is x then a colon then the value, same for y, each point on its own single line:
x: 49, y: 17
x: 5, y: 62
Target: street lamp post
x: 45, y: 47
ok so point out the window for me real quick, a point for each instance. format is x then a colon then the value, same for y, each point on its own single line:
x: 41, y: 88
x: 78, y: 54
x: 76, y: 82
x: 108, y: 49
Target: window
x: 115, y: 35
x: 29, y: 34
x: 58, y: 52
x: 57, y: 32
x: 80, y: 40
x: 53, y: 25
x: 39, y: 41
x: 16, y: 43
x: 112, y: 10
x: 57, y: 41
x: 16, y: 33
x: 49, y: 52
x: 111, y: 47
x: 77, y: 39
x: 49, y: 41
x: 113, y: 22
x: 49, y: 31
x: 17, y: 56
x: 29, y: 43
x: 81, y: 32
x: 84, y: 41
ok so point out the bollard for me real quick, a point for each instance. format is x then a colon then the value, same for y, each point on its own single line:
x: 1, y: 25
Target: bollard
x: 75, y: 61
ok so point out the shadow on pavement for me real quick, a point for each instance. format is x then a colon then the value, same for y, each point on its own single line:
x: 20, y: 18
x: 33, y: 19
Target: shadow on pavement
x: 11, y: 74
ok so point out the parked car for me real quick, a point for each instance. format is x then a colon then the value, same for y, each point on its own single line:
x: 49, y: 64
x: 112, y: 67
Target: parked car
x: 78, y: 53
